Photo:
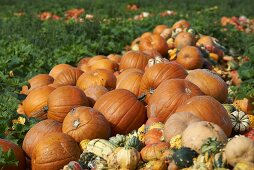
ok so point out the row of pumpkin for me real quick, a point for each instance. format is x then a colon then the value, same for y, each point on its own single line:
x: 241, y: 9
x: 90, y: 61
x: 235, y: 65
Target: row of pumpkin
x: 164, y: 78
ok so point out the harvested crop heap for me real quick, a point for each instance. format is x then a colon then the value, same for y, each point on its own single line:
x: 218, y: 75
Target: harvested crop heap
x: 161, y: 105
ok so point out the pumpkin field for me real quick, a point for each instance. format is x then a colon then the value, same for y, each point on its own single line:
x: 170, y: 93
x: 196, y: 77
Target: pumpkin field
x: 126, y: 85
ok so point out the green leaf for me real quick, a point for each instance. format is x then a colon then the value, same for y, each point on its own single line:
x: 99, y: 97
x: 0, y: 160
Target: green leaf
x: 8, y: 158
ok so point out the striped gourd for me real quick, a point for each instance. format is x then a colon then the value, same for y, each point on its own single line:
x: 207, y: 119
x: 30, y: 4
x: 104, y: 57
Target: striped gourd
x: 100, y: 147
x: 240, y: 121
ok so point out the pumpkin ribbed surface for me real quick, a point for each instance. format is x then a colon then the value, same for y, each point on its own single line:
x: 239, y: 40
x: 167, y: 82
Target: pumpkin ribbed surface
x: 68, y: 77
x: 39, y: 81
x: 184, y: 39
x: 168, y: 96
x: 122, y: 109
x: 58, y: 69
x: 94, y: 92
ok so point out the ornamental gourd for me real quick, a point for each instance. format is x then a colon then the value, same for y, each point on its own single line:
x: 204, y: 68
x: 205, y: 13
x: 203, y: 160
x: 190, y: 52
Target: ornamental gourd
x: 63, y: 99
x: 209, y: 83
x: 55, y: 151
x: 86, y: 123
x: 168, y: 96
x: 240, y: 121
x: 38, y: 132
x: 122, y: 109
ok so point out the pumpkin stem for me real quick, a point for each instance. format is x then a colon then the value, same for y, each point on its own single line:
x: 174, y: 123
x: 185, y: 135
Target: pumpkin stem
x: 40, y: 113
x: 76, y: 123
x: 142, y: 97
x: 151, y: 90
x: 187, y: 90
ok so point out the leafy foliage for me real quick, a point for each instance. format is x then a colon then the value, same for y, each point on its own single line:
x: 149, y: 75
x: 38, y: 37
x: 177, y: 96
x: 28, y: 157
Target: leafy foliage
x: 8, y: 158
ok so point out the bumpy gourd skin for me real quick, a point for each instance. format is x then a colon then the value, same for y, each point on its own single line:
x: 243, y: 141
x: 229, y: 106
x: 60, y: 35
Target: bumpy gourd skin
x: 239, y: 149
x: 183, y: 157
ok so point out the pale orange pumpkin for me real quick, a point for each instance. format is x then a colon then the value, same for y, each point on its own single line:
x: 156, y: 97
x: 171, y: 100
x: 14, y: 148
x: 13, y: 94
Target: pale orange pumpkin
x: 190, y: 58
x: 114, y: 57
x: 209, y: 109
x: 159, y: 29
x: 184, y: 39
x: 86, y: 123
x: 209, y: 83
x: 63, y: 99
x: 94, y: 92
x: 168, y: 96
x: 104, y: 64
x: 57, y: 69
x: 99, y: 77
x: 95, y: 58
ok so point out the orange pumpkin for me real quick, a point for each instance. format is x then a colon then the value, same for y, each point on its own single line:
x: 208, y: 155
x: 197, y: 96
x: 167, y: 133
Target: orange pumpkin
x: 128, y: 71
x: 209, y: 83
x: 184, y: 39
x: 166, y: 33
x: 153, y: 136
x: 158, y: 73
x: 94, y: 92
x: 210, y: 44
x: 177, y: 123
x: 209, y: 109
x: 183, y: 24
x: 114, y: 57
x: 153, y: 53
x: 55, y: 151
x: 63, y: 99
x: 99, y: 77
x: 104, y: 64
x: 156, y: 42
x: 39, y: 81
x: 57, y: 69
x: 83, y: 61
x: 134, y: 59
x: 190, y: 58
x: 246, y: 105
x: 68, y: 76
x: 146, y: 34
x: 122, y: 109
x: 95, y: 59
x: 130, y: 81
x: 18, y: 152
x: 86, y: 123
x: 38, y: 132
x: 159, y: 28
x: 35, y: 103
x: 168, y: 96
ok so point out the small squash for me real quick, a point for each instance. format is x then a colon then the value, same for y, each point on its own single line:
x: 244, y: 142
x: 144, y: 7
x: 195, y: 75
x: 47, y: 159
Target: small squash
x: 246, y: 105
x: 127, y: 158
x: 240, y: 121
x: 153, y: 136
x: 183, y: 157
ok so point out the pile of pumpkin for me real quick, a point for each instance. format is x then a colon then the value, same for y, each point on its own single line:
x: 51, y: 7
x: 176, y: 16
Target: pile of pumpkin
x: 241, y: 23
x: 158, y: 106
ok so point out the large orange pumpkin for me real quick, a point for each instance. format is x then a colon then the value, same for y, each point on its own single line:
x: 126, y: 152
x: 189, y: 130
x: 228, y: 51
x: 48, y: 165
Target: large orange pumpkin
x: 134, y: 59
x: 190, y: 58
x: 184, y: 39
x: 158, y: 73
x: 209, y: 83
x: 114, y: 57
x: 130, y: 81
x: 94, y: 92
x: 18, y: 152
x: 55, y: 151
x: 39, y: 81
x: 154, y: 41
x: 128, y: 71
x: 83, y: 61
x: 159, y: 28
x: 104, y: 64
x: 63, y: 99
x: 209, y: 109
x: 38, y: 132
x: 122, y: 109
x: 57, y: 69
x: 99, y: 77
x: 86, y: 123
x: 35, y: 103
x: 95, y: 59
x: 68, y: 77
x: 168, y: 96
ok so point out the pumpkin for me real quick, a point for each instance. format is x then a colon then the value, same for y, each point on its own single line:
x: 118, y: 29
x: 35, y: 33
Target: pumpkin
x: 239, y: 149
x: 96, y: 58
x: 68, y: 76
x: 39, y: 81
x: 130, y: 82
x: 18, y: 152
x: 58, y: 69
x: 159, y: 29
x: 154, y: 41
x: 251, y: 118
x: 83, y: 61
x: 125, y: 73
x: 183, y: 24
x: 101, y: 148
x: 85, y: 68
x: 146, y: 34
x: 210, y: 44
x: 209, y: 83
x: 246, y: 105
x: 190, y: 58
x: 104, y: 64
x: 86, y: 123
x: 134, y: 59
x: 209, y: 109
x: 135, y: 44
x: 196, y: 133
x: 63, y: 99
x: 154, y: 151
x: 99, y: 77
x: 155, y: 165
x: 35, y: 103
x: 158, y: 73
x: 86, y: 158
x: 168, y: 96
x: 240, y: 121
x: 55, y: 151
x: 127, y: 158
x: 177, y: 123
x: 122, y: 109
x: 38, y: 132
x: 153, y: 53
x: 166, y: 33
x: 184, y: 39
x: 250, y: 134
x: 114, y: 57
x: 153, y: 136
x: 94, y: 92
x: 73, y: 165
